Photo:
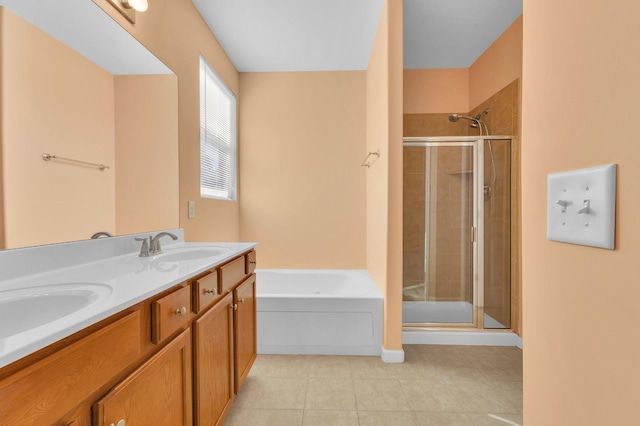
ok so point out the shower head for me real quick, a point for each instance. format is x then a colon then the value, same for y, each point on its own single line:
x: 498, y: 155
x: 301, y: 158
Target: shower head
x: 476, y: 123
x: 455, y: 117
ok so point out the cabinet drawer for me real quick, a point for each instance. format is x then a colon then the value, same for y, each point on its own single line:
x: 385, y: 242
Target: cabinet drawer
x: 45, y: 391
x: 206, y: 291
x: 171, y: 313
x: 250, y: 259
x: 232, y: 273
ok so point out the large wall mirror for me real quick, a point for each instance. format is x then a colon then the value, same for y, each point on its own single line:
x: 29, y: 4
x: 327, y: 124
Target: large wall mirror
x: 75, y: 84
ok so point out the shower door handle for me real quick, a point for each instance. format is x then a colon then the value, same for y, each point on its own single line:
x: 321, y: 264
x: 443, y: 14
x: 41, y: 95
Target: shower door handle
x: 474, y: 234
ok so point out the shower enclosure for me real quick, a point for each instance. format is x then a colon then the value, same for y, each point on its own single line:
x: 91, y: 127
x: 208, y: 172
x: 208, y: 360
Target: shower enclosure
x: 457, y: 232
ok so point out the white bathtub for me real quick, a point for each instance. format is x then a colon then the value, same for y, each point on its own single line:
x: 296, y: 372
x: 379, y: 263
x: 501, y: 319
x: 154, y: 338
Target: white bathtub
x: 318, y: 312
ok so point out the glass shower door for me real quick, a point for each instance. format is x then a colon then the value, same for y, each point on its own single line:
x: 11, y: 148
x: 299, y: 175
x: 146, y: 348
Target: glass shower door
x: 440, y: 232
x: 497, y: 234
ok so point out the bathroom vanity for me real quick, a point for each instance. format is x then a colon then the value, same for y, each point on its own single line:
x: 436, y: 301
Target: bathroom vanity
x: 170, y: 344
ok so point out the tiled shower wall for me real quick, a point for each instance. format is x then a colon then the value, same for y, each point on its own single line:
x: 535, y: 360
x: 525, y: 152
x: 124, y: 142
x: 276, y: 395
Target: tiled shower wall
x: 502, y: 253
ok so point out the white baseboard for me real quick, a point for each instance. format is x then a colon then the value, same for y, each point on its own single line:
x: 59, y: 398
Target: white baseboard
x: 392, y: 356
x: 519, y: 342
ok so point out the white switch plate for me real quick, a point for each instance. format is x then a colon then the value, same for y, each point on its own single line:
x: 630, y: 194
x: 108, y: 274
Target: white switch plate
x: 581, y: 206
x: 192, y: 209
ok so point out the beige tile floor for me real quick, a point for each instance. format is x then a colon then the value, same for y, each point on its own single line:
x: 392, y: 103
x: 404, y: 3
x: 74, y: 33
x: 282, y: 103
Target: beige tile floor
x: 436, y: 385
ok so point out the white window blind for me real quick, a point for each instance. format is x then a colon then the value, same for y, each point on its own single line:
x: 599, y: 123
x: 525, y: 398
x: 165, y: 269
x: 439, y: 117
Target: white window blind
x: 217, y: 136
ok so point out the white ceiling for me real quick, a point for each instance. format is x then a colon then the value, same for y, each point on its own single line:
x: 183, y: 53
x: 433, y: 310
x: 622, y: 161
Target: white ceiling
x: 311, y: 35
x: 453, y: 33
x: 87, y: 29
x: 294, y: 35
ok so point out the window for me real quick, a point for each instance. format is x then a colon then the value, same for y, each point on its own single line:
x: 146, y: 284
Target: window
x: 217, y: 136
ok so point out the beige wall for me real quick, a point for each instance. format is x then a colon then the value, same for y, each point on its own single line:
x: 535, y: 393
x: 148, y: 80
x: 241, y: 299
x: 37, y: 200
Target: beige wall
x: 580, y: 102
x: 176, y: 33
x: 62, y: 104
x: 436, y: 90
x: 384, y: 177
x: 303, y: 191
x: 462, y: 89
x: 146, y: 131
x: 498, y: 66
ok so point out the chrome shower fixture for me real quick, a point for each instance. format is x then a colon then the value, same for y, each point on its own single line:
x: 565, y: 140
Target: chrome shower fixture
x: 479, y: 116
x: 476, y: 121
x: 455, y: 117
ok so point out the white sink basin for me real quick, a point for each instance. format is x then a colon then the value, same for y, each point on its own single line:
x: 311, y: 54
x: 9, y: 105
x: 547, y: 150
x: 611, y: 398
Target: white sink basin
x: 26, y: 308
x: 186, y: 254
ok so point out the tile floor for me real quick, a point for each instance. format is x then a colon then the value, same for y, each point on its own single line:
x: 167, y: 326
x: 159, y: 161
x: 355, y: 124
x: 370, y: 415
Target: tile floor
x: 436, y: 385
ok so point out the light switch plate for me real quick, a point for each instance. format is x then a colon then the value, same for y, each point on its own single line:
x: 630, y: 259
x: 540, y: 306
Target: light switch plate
x: 192, y: 210
x: 581, y: 206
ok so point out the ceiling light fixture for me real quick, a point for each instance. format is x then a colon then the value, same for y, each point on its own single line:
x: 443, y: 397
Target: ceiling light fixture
x: 138, y: 5
x: 128, y: 8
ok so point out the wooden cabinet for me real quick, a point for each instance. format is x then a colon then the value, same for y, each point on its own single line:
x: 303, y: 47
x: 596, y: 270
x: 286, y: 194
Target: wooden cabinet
x: 245, y: 329
x: 213, y: 363
x: 177, y: 358
x: 157, y: 393
x: 46, y: 391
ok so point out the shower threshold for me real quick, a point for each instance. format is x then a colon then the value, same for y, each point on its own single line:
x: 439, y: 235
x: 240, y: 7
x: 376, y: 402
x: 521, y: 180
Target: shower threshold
x: 443, y: 312
x: 432, y: 313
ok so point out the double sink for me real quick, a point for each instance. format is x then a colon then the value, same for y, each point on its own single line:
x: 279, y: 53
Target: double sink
x: 52, y: 304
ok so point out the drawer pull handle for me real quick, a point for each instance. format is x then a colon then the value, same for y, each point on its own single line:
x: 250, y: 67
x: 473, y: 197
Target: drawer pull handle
x: 241, y: 300
x: 253, y: 262
x: 213, y: 291
x: 182, y: 312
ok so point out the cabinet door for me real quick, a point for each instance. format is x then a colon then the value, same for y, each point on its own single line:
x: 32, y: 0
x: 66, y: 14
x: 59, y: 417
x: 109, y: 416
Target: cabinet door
x: 42, y: 393
x: 157, y: 393
x: 245, y: 329
x: 213, y: 348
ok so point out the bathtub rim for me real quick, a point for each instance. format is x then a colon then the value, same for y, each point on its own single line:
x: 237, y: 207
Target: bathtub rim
x: 362, y: 275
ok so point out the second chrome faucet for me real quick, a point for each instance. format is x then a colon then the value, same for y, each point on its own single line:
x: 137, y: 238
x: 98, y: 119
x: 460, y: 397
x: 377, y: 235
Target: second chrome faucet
x: 151, y: 245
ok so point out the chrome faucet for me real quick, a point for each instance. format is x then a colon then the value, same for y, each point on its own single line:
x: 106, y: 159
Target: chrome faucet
x: 144, y: 250
x: 101, y: 234
x: 151, y: 245
x: 154, y: 242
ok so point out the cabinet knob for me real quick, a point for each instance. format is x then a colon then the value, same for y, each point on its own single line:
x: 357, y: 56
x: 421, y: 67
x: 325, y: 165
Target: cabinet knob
x: 253, y: 262
x: 213, y: 291
x: 182, y: 312
x: 234, y: 307
x: 121, y: 422
x: 241, y: 300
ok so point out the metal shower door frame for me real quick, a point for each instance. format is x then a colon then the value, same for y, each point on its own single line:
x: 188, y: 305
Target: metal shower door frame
x: 477, y: 143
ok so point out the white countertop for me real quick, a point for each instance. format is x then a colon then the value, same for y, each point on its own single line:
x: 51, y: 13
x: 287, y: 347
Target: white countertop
x: 124, y: 280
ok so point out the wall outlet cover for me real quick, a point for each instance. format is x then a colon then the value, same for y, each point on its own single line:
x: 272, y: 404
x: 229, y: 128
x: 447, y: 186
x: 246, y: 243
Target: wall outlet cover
x: 581, y: 206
